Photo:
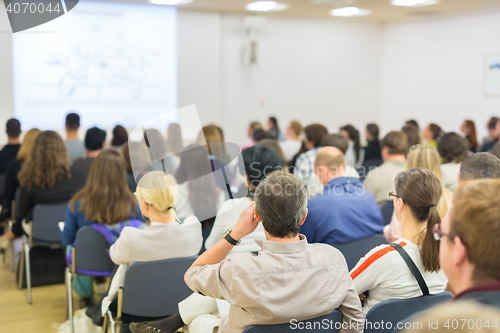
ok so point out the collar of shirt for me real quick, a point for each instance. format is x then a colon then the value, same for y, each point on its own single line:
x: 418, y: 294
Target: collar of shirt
x: 343, y: 181
x: 152, y: 224
x: 283, y: 247
x: 495, y: 286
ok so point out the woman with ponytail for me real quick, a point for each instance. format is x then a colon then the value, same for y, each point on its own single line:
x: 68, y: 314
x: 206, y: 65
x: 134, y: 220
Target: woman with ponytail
x: 383, y: 272
x: 355, y: 155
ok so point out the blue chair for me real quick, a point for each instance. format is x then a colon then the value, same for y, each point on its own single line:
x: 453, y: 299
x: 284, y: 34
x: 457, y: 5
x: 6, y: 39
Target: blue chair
x: 355, y: 250
x: 396, y: 311
x: 314, y: 325
x: 387, y: 211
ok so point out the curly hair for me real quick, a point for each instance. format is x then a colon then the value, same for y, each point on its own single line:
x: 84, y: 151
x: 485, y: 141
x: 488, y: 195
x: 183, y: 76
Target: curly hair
x: 453, y: 148
x: 48, y: 162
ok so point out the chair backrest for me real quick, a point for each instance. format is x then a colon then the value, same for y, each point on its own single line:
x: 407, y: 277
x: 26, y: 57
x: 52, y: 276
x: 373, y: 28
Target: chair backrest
x: 154, y: 288
x: 353, y: 251
x: 92, y: 253
x: 387, y: 211
x: 45, y: 223
x: 315, y: 325
x: 2, y: 184
x: 395, y: 311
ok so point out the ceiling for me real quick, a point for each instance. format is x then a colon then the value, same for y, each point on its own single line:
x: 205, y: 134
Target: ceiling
x: 382, y: 10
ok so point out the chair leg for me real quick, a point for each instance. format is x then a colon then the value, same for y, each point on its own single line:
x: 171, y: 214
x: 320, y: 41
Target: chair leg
x: 21, y: 269
x: 69, y: 291
x: 12, y: 257
x: 105, y: 324
x: 28, y: 271
x: 112, y: 322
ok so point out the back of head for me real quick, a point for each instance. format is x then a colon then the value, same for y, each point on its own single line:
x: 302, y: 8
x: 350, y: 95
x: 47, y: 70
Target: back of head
x: 335, y: 140
x: 211, y: 135
x: 296, y: 127
x: 13, y: 128
x: 414, y: 123
x: 315, y: 133
x: 420, y: 189
x: 453, y: 148
x: 331, y: 158
x: 72, y: 121
x: 412, y: 134
x: 120, y: 136
x: 274, y: 121
x: 260, y: 134
x: 24, y: 152
x: 435, y: 130
x: 426, y: 157
x: 475, y: 219
x: 255, y: 125
x: 48, y: 162
x: 274, y: 145
x: 373, y: 130
x: 281, y: 202
x: 94, y: 138
x: 174, y: 138
x: 396, y: 142
x: 480, y: 166
x: 260, y: 161
x: 106, y: 197
x: 159, y: 191
x: 492, y: 123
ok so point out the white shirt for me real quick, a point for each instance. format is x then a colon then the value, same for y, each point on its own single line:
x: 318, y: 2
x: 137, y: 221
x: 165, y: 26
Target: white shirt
x: 159, y: 241
x: 350, y: 155
x: 450, y: 173
x: 384, y: 273
x: 183, y: 206
x: 290, y: 148
x: 226, y: 219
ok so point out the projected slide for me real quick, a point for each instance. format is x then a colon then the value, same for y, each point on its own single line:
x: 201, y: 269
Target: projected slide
x: 111, y: 62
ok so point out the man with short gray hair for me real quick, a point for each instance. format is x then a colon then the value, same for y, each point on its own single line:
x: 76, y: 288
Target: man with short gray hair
x: 287, y: 280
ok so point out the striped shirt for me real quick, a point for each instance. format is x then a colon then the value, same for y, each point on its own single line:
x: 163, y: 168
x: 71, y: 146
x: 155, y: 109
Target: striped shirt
x: 304, y: 167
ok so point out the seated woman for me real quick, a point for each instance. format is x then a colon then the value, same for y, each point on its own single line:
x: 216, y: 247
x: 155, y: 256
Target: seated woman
x: 454, y: 150
x: 46, y: 177
x: 165, y: 238
x: 383, y: 272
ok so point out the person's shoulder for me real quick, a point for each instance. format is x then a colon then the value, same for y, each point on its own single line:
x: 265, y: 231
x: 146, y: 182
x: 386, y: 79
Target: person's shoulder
x: 76, y: 170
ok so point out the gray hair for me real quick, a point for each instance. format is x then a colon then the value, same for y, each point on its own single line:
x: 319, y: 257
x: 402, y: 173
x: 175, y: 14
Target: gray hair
x: 281, y: 202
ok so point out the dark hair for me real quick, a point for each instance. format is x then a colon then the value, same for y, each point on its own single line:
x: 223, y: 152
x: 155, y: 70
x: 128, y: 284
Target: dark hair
x: 260, y: 134
x: 94, y: 138
x: 412, y: 134
x: 260, y: 161
x: 274, y: 145
x: 492, y: 123
x: 435, y: 130
x: 414, y: 123
x: 120, y: 136
x: 315, y: 133
x: 72, y: 121
x: 373, y: 130
x: 353, y: 136
x: 420, y: 189
x: 453, y: 148
x: 397, y: 142
x: 274, y: 121
x: 281, y: 201
x: 13, y: 128
x: 480, y: 166
x: 472, y: 136
x: 174, y: 138
x: 335, y: 140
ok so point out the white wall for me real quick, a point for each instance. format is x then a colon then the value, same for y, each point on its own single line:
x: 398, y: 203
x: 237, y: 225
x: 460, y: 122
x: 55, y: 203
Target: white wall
x: 433, y: 70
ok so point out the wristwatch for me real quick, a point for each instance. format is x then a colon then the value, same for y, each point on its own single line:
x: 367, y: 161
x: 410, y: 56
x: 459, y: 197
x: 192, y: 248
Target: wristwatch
x: 231, y: 240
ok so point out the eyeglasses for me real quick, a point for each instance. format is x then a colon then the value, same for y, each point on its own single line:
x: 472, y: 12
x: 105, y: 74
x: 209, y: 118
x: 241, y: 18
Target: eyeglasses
x: 438, y: 234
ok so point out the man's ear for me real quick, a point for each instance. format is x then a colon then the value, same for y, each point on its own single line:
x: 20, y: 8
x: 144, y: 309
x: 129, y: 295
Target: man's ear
x: 304, y: 218
x: 257, y: 217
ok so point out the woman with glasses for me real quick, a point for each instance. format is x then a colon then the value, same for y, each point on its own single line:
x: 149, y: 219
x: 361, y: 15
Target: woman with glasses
x: 383, y: 273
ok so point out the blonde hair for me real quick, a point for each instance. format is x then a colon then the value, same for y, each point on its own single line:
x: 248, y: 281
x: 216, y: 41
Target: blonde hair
x: 28, y: 141
x: 427, y: 157
x: 158, y: 190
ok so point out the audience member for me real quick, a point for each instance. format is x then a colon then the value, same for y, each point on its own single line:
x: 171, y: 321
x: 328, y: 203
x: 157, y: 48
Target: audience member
x: 479, y: 166
x: 382, y: 271
x: 431, y: 134
x: 165, y: 238
x: 345, y: 211
x: 355, y: 155
x: 157, y: 150
x: 425, y: 157
x: 137, y: 164
x: 11, y: 181
x: 491, y: 128
x: 414, y: 123
x: 380, y: 181
x: 496, y: 150
x: 210, y: 137
x: 304, y: 166
x: 259, y: 161
x: 468, y: 249
x: 412, y: 134
x: 274, y: 145
x: 273, y: 129
x: 74, y: 145
x: 469, y: 129
x: 95, y: 139
x: 175, y: 144
x: 46, y: 177
x: 259, y: 135
x: 254, y: 125
x: 291, y: 145
x: 290, y: 270
x: 372, y: 150
x: 120, y: 137
x: 10, y: 150
x: 453, y: 150
x: 494, y: 132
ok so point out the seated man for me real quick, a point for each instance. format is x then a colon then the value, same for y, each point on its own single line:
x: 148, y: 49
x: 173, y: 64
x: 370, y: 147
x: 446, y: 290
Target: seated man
x: 468, y: 252
x: 288, y: 279
x: 345, y: 211
x: 95, y: 139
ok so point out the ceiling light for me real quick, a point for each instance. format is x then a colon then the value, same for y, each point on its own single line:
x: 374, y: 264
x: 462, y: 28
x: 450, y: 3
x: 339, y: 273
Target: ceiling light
x: 266, y: 6
x: 413, y: 3
x: 170, y: 2
x: 350, y: 12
